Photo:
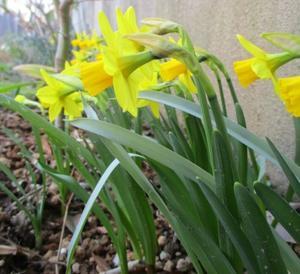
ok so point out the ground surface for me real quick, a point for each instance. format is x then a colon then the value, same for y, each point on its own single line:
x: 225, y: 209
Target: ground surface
x: 94, y: 254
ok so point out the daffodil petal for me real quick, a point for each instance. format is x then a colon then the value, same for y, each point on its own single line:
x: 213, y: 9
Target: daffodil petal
x: 47, y: 95
x: 131, y: 20
x: 171, y: 69
x: 186, y: 79
x: 250, y: 47
x: 55, y: 110
x: 72, y: 108
x: 106, y: 28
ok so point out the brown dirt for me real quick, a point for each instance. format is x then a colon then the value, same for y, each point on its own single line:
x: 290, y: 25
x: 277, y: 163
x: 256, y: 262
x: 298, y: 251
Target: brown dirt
x: 95, y: 252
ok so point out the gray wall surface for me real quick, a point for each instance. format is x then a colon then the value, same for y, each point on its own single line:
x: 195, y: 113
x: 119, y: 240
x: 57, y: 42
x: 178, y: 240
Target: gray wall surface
x: 213, y: 25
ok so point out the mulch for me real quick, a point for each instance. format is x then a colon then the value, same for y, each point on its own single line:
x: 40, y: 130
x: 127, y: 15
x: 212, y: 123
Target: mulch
x: 95, y: 253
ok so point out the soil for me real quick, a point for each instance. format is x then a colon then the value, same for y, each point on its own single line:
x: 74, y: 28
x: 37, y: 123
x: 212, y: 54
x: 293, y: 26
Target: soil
x: 95, y: 252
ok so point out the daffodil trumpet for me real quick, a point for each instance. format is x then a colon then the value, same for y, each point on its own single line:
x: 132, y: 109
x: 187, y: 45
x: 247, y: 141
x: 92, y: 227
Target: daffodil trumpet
x: 290, y: 94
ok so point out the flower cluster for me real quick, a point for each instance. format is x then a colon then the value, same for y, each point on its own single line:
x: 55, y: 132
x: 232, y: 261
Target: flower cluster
x: 114, y: 61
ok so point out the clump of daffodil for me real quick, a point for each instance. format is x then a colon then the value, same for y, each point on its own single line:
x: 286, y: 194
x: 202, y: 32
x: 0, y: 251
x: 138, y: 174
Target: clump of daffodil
x: 85, y: 46
x: 84, y: 41
x: 119, y: 63
x: 261, y: 66
x: 58, y: 96
x: 290, y: 94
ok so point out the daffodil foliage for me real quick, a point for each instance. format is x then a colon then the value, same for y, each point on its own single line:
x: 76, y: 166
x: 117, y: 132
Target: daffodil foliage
x: 207, y: 172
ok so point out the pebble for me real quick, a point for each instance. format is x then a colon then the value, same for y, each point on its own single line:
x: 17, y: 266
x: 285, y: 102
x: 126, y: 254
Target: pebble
x: 76, y: 268
x: 162, y: 240
x: 116, y: 260
x: 102, y: 230
x: 159, y: 265
x: 63, y: 253
x: 164, y: 255
x: 169, y: 265
x: 104, y: 240
x: 178, y: 254
x: 182, y: 265
x: 50, y: 253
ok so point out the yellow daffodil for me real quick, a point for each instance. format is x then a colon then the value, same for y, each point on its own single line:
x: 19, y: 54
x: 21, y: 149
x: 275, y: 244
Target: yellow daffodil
x: 57, y: 96
x: 120, y: 61
x: 290, y: 94
x: 172, y: 69
x: 86, y: 46
x: 84, y: 41
x: 261, y: 66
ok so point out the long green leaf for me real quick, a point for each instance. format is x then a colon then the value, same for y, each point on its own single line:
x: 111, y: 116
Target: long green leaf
x: 236, y: 131
x: 216, y: 259
x: 238, y: 238
x: 286, y: 167
x: 87, y: 209
x: 131, y: 199
x: 280, y: 209
x: 10, y: 87
x: 259, y: 233
x: 146, y: 147
x: 290, y: 258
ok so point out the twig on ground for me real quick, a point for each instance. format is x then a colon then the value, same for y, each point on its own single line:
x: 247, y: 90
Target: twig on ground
x: 63, y: 232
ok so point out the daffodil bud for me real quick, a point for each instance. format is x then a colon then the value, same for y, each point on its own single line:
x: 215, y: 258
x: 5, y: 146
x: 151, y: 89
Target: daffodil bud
x: 161, y: 26
x: 23, y: 100
x: 162, y: 47
x: 286, y: 41
x: 20, y: 99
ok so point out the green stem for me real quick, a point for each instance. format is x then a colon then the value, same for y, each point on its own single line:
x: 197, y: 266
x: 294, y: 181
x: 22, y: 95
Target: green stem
x: 206, y: 119
x: 221, y: 92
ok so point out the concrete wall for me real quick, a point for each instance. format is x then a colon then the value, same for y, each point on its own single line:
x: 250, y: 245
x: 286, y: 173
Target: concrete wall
x: 213, y: 25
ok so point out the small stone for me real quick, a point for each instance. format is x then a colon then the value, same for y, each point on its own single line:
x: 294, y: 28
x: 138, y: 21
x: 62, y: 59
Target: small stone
x: 80, y: 253
x: 104, y: 240
x: 102, y: 230
x: 50, y: 253
x: 159, y: 265
x: 164, y: 256
x: 116, y: 260
x: 53, y: 259
x: 65, y: 242
x: 2, y: 262
x: 63, y: 251
x: 162, y: 240
x: 182, y: 265
x: 169, y: 265
x: 53, y: 188
x: 76, y: 268
x: 188, y: 260
x: 178, y: 254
